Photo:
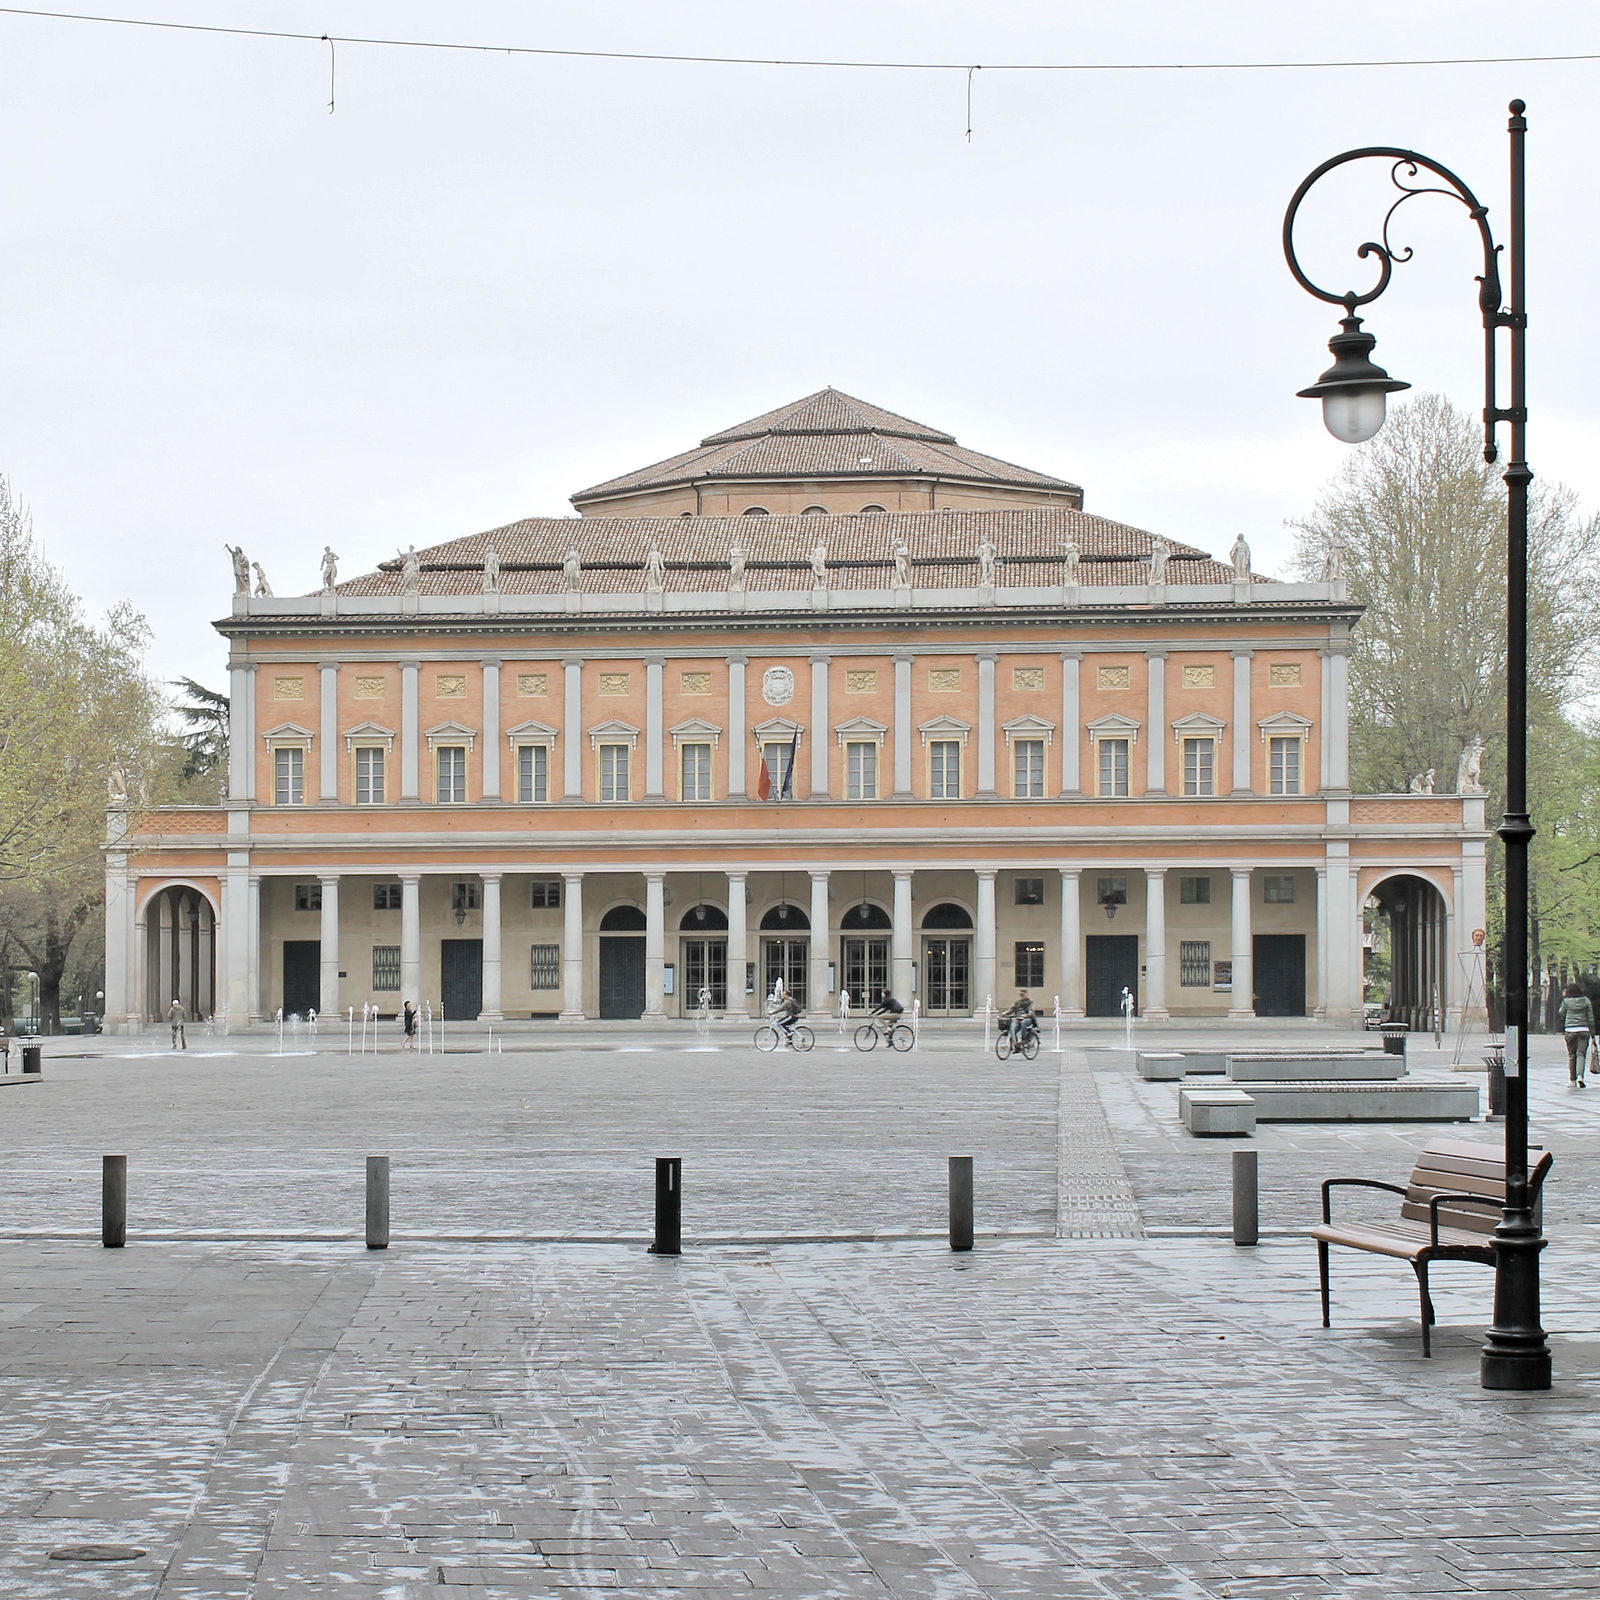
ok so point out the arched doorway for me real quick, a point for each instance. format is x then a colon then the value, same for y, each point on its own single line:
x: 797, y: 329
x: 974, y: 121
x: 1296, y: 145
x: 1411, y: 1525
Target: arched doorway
x: 864, y: 953
x: 622, y: 964
x: 1407, y: 962
x: 947, y: 961
x: 703, y: 958
x: 786, y: 951
x: 180, y: 952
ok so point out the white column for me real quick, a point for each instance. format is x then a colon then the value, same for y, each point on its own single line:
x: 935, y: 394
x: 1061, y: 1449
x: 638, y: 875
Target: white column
x: 902, y: 727
x: 241, y: 903
x: 411, y: 937
x: 1071, y: 943
x: 821, y: 942
x: 572, y: 731
x: 328, y: 733
x: 1335, y: 730
x: 139, y: 982
x: 986, y: 973
x: 1340, y: 930
x: 252, y: 980
x: 115, y: 1008
x: 241, y: 732
x: 1071, y: 723
x: 986, y: 726
x: 1156, y: 712
x: 328, y: 990
x: 409, y: 736
x: 166, y: 954
x: 902, y: 940
x: 1241, y: 731
x: 572, y: 947
x: 491, y: 949
x: 1244, y: 950
x: 738, y: 734
x: 654, y: 736
x: 1319, y: 1008
x: 819, y: 727
x: 738, y: 947
x: 655, y: 942
x: 491, y: 730
x: 1153, y: 999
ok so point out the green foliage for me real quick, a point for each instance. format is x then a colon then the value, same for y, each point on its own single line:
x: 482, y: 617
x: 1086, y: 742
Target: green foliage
x: 204, y: 714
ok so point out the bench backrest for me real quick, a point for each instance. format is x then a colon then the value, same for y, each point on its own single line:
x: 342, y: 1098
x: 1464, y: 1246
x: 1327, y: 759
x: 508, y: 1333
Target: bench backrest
x: 1466, y: 1166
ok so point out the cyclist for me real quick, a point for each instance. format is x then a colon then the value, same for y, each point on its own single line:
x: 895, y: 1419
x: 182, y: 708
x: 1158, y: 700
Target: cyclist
x: 889, y: 1009
x: 1019, y: 1018
x: 785, y: 1017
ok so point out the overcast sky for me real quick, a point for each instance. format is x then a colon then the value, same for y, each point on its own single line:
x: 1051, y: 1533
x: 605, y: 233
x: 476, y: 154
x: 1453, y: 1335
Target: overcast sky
x: 485, y: 281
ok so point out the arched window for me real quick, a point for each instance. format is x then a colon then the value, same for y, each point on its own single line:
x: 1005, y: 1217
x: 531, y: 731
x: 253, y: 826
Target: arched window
x: 866, y: 509
x: 622, y: 919
x: 864, y: 916
x: 704, y: 919
x: 815, y: 511
x: 947, y: 916
x: 756, y: 511
x: 785, y: 918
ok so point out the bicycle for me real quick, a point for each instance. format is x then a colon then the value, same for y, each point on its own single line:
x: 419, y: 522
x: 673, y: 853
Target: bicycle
x: 897, y: 1035
x: 769, y: 1037
x: 1027, y: 1046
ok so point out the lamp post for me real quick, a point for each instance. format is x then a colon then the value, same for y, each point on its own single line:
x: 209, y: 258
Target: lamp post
x: 1516, y: 1354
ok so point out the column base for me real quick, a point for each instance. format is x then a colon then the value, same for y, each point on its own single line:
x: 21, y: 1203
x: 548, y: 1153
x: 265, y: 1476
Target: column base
x: 1072, y: 1014
x: 571, y: 1016
x: 1157, y: 1014
x: 491, y: 1016
x: 1241, y: 1016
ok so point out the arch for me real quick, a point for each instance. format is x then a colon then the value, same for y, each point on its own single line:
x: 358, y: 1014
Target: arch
x: 814, y: 511
x: 180, y: 951
x: 756, y: 511
x: 864, y: 916
x: 704, y: 918
x: 151, y: 887
x: 785, y: 917
x: 1410, y: 923
x: 866, y: 510
x: 623, y: 919
x: 947, y: 914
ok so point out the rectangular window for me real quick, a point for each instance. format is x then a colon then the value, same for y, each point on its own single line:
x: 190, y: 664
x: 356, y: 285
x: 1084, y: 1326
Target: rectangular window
x: 695, y: 763
x: 1277, y: 888
x: 1027, y: 769
x: 1194, y: 891
x: 778, y: 758
x: 289, y: 776
x: 1030, y: 966
x: 464, y: 895
x: 450, y: 765
x: 544, y: 966
x: 1113, y: 767
x: 308, y: 897
x: 614, y: 762
x: 533, y: 774
x: 1285, y: 766
x: 369, y: 776
x: 861, y: 770
x: 1200, y: 766
x: 1194, y: 964
x: 944, y: 769
x: 386, y: 897
x: 544, y: 892
x: 1029, y: 892
x: 386, y: 966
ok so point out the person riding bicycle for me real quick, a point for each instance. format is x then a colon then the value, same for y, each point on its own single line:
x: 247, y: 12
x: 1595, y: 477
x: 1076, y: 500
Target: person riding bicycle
x: 1020, y: 1018
x: 889, y: 1009
x: 785, y: 1017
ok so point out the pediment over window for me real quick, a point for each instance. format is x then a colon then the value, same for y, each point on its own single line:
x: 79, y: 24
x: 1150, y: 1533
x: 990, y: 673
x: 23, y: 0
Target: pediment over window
x: 451, y: 733
x: 370, y: 733
x: 944, y: 728
x: 1113, y: 726
x: 287, y: 733
x: 776, y: 728
x: 614, y: 731
x: 862, y: 730
x: 696, y: 731
x: 531, y: 733
x: 1197, y: 725
x: 1284, y: 725
x: 1029, y: 727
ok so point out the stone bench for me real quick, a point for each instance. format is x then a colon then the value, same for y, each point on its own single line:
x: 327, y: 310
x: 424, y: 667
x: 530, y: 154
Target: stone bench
x: 1160, y: 1066
x: 1217, y: 1111
x: 1205, y: 1060
x: 1367, y: 1067
x: 1365, y: 1102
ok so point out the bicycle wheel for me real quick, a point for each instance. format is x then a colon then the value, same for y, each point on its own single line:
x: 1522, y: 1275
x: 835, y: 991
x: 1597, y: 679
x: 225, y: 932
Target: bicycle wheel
x: 1030, y: 1046
x: 804, y: 1038
x: 1002, y: 1046
x: 766, y: 1038
x: 901, y: 1037
x: 866, y: 1037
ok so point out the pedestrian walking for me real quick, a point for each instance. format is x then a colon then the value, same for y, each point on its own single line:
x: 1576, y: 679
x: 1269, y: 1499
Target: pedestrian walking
x: 408, y: 1022
x: 176, y: 1017
x: 1576, y: 1012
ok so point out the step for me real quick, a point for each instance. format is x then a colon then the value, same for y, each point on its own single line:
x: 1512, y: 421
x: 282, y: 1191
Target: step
x: 1214, y: 1111
x: 1365, y: 1102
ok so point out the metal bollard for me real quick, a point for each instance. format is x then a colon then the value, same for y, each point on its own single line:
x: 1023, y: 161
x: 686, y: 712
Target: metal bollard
x: 377, y: 1202
x: 669, y: 1207
x: 1246, y: 1198
x: 113, y: 1202
x: 960, y: 1202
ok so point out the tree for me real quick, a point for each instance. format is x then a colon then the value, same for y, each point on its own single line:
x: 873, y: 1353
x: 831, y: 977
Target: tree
x: 77, y: 711
x: 205, y: 716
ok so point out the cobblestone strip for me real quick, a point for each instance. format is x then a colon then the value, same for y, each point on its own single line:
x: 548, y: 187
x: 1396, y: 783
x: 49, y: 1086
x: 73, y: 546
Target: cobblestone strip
x: 1094, y: 1199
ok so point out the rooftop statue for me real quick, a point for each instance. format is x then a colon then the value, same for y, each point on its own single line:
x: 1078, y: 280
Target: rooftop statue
x: 330, y: 569
x: 1333, y: 562
x: 241, y: 568
x: 1469, y: 770
x: 1239, y: 555
x: 736, y: 568
x: 262, y: 586
x: 655, y: 570
x: 1071, y: 555
x: 491, y: 571
x: 410, y: 570
x: 986, y: 555
x: 1423, y: 782
x: 819, y: 563
x: 902, y: 564
x: 572, y: 569
x: 1160, y: 554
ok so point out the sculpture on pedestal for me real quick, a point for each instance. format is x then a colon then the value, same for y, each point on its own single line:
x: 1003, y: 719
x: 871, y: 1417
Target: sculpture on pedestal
x: 241, y: 568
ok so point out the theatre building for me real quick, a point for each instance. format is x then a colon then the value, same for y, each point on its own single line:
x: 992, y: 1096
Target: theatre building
x: 828, y: 699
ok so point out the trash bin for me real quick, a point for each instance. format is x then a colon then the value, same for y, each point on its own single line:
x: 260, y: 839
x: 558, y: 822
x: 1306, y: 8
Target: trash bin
x: 1394, y: 1038
x: 30, y: 1058
x: 1495, y: 1061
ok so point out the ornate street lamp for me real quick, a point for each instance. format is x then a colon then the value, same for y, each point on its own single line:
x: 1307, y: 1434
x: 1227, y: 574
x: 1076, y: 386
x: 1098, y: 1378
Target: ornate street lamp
x: 1516, y: 1354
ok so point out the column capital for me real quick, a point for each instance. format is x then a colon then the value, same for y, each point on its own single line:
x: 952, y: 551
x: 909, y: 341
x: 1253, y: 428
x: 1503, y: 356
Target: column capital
x: 903, y: 877
x: 572, y: 877
x: 1156, y: 872
x: 491, y: 877
x: 325, y: 881
x: 492, y: 662
x: 818, y: 874
x: 991, y: 656
x: 1244, y: 655
x: 411, y: 877
x: 327, y: 666
x: 904, y: 657
x: 409, y: 663
x: 819, y: 660
x: 987, y: 874
x: 738, y: 660
x: 1155, y: 655
x: 655, y: 877
x: 1070, y: 872
x: 655, y: 661
x: 1072, y: 655
x: 1241, y: 872
x: 569, y: 662
x: 736, y: 877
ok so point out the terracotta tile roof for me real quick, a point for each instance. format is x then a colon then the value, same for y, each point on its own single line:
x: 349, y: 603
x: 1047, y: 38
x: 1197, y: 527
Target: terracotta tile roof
x: 1029, y: 544
x: 828, y: 434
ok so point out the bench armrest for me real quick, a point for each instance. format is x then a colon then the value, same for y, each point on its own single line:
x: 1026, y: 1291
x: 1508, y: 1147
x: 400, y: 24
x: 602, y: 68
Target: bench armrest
x: 1458, y: 1200
x: 1354, y: 1183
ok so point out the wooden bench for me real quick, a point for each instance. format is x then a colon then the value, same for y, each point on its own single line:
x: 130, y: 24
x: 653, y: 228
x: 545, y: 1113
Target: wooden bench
x: 1448, y: 1212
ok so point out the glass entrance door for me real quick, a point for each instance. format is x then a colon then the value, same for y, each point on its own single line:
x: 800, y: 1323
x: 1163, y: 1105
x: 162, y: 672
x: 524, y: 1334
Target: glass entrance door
x: 787, y: 959
x: 866, y: 970
x: 946, y: 977
x: 705, y: 966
